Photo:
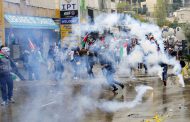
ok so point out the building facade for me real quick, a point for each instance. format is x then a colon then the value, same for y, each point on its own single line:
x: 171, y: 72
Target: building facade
x: 30, y: 20
x: 42, y: 8
x: 182, y: 15
x: 150, y: 5
x: 97, y: 7
x: 2, y: 28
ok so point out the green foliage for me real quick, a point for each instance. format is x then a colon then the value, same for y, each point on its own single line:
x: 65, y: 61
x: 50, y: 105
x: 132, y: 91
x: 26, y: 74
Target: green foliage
x: 174, y: 24
x: 123, y: 6
x: 186, y: 29
x: 167, y: 23
x: 83, y: 4
x: 139, y: 17
x: 160, y: 12
x: 186, y: 58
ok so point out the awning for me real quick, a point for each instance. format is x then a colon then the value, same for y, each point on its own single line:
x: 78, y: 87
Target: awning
x: 17, y: 21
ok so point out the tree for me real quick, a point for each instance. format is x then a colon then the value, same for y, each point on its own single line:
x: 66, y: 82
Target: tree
x: 160, y: 12
x: 186, y: 29
x: 139, y: 17
x: 123, y: 6
x: 174, y: 24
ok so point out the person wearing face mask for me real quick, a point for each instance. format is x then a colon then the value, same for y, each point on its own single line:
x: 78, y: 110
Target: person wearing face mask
x: 6, y: 80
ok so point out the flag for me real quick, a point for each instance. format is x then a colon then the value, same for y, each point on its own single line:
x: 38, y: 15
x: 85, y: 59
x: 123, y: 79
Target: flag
x: 84, y: 41
x: 85, y: 38
x: 15, y: 77
x: 31, y: 45
x: 2, y: 55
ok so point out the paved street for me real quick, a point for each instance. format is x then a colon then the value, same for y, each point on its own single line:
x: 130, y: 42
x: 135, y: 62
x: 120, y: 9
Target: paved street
x: 95, y: 60
x: 72, y: 101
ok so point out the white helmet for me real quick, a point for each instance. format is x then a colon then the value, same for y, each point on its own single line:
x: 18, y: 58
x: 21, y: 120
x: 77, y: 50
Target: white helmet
x: 5, y: 50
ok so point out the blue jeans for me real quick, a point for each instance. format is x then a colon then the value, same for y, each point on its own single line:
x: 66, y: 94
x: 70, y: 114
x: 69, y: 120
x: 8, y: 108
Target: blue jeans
x: 34, y: 70
x: 110, y: 78
x: 6, y: 83
x: 75, y: 69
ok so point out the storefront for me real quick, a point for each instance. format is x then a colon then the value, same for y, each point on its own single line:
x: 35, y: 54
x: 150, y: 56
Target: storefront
x: 19, y: 30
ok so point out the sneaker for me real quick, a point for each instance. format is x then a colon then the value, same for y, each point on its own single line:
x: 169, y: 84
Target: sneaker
x: 3, y: 103
x: 11, y: 100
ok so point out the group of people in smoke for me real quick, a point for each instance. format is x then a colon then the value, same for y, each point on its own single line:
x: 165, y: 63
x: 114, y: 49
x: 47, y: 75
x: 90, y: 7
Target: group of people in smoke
x: 58, y: 59
x: 32, y: 61
x: 150, y: 37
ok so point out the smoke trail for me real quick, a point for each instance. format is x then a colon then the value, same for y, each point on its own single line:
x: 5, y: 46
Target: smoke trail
x: 112, y: 106
x: 181, y: 80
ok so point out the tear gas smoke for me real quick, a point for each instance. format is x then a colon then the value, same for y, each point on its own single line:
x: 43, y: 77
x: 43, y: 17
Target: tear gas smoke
x: 181, y: 81
x: 146, y: 52
x: 112, y: 106
x: 71, y: 105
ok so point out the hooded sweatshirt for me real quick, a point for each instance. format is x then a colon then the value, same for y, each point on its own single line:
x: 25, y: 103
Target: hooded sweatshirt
x: 5, y: 66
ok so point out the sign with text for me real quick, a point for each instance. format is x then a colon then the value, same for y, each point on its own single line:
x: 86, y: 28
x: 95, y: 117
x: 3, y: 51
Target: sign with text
x: 69, y: 14
x: 66, y: 30
x: 69, y: 5
x: 13, y: 1
x: 74, y: 20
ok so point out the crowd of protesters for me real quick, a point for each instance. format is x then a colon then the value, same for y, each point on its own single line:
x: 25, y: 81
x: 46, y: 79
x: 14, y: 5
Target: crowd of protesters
x: 106, y: 53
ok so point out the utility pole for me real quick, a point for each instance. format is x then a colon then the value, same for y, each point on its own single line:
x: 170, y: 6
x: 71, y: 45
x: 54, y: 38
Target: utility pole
x: 2, y: 25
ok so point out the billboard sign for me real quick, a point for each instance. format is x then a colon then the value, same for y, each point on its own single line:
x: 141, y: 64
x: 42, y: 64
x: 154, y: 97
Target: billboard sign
x: 69, y: 14
x: 69, y: 5
x: 74, y: 20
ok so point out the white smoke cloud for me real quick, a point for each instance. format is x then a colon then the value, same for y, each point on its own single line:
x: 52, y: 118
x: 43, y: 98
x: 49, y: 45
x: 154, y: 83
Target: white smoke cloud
x: 73, y: 105
x: 112, y: 106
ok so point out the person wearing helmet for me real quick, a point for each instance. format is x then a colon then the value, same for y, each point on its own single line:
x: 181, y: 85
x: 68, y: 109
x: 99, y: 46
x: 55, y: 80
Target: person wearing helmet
x: 6, y: 80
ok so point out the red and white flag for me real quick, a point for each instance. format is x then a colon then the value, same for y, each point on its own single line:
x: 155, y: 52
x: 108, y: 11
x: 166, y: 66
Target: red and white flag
x: 32, y: 46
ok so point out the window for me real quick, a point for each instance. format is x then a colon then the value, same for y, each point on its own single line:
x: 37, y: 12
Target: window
x: 112, y: 0
x: 91, y: 16
x: 113, y: 11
